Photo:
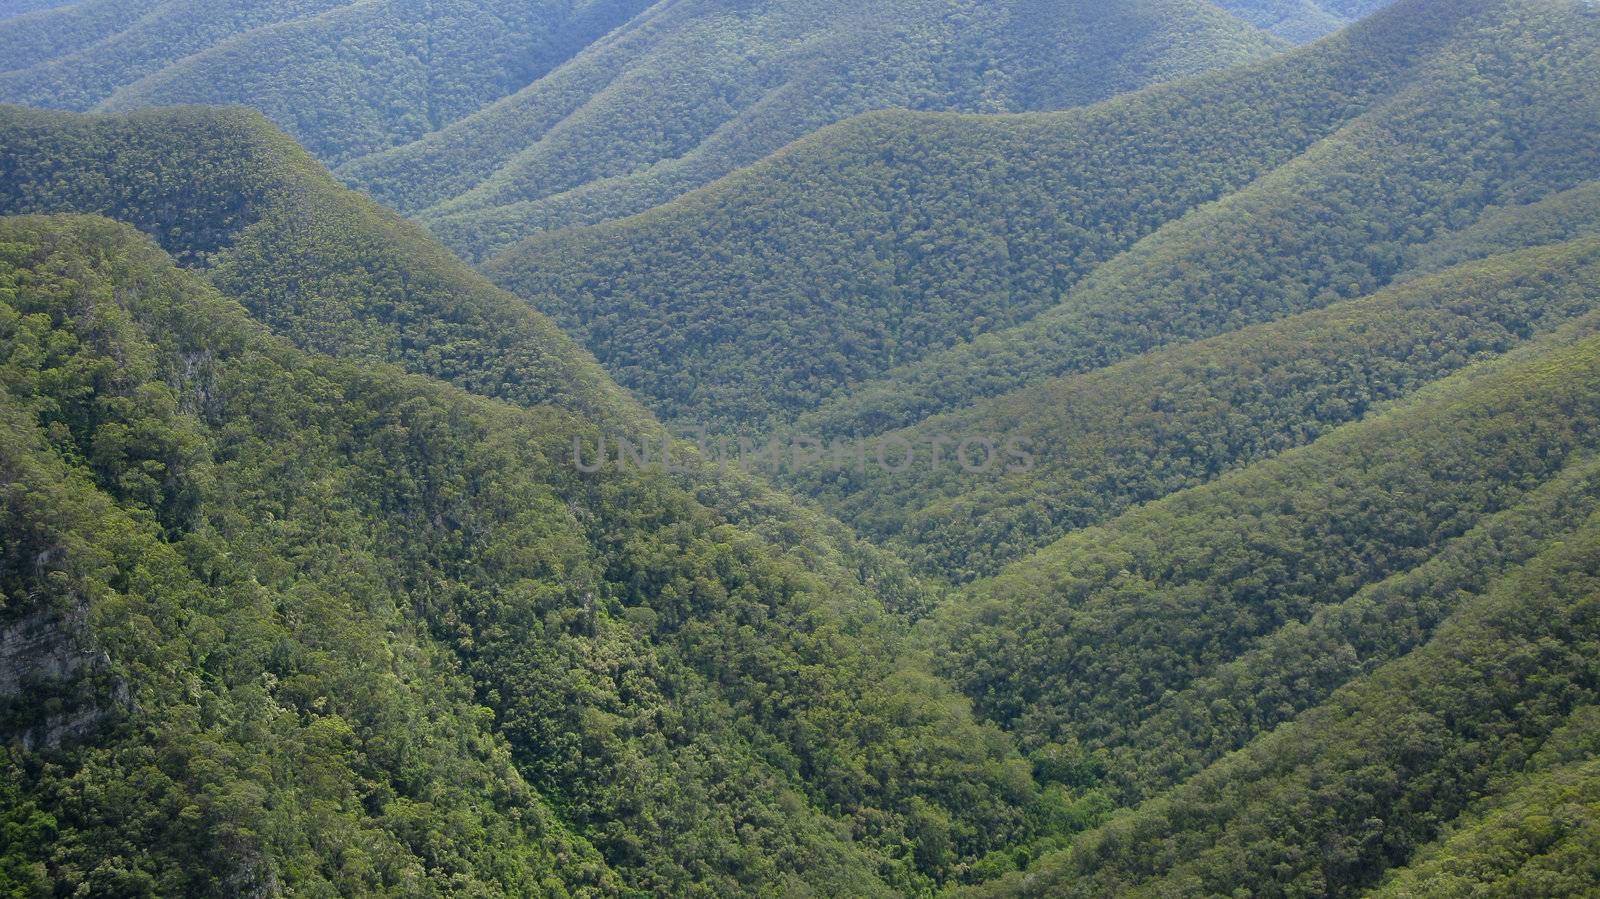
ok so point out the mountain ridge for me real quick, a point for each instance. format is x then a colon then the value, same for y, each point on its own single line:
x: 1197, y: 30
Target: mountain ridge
x: 486, y: 109
x: 305, y: 588
x: 921, y: 234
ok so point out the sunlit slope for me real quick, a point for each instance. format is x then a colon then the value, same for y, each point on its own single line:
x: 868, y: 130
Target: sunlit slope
x: 684, y: 559
x: 278, y: 602
x: 226, y: 192
x: 692, y: 90
x: 1106, y: 440
x: 898, y: 266
x: 1387, y: 621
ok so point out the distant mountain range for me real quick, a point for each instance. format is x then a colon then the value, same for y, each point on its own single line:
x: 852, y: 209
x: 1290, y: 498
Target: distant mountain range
x: 493, y: 120
x: 304, y: 588
x: 1302, y: 20
x: 902, y: 265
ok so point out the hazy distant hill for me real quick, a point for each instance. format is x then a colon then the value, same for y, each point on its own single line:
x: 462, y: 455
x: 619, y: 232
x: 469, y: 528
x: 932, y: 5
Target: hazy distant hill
x: 1302, y: 20
x: 605, y: 107
x: 693, y: 90
x: 344, y: 77
x: 18, y: 7
x: 903, y: 265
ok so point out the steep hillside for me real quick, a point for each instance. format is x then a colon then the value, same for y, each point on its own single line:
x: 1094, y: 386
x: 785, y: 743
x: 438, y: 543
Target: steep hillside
x: 899, y: 265
x: 306, y: 588
x: 1327, y: 804
x: 1106, y: 440
x: 700, y: 638
x: 225, y: 190
x: 1538, y: 833
x: 1301, y: 20
x: 610, y: 106
x: 347, y: 78
x: 696, y: 89
x: 1558, y: 217
x: 1387, y: 621
x: 214, y: 685
x: 1312, y: 526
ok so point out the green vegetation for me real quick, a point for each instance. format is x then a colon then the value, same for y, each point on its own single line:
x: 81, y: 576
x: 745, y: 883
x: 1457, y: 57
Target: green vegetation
x: 696, y: 90
x: 107, y: 44
x: 495, y: 119
x: 346, y: 78
x: 265, y: 714
x: 1294, y: 609
x: 1301, y: 20
x: 704, y: 626
x: 1324, y: 805
x: 26, y: 41
x: 302, y: 591
x: 1538, y: 835
x: 1333, y: 224
x: 1286, y: 536
x: 225, y: 192
x: 333, y: 270
x: 259, y: 542
x: 1562, y: 216
x: 899, y: 266
x: 1106, y: 440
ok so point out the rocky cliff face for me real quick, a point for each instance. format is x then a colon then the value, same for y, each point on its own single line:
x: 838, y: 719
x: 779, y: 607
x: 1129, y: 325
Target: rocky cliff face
x: 46, y: 659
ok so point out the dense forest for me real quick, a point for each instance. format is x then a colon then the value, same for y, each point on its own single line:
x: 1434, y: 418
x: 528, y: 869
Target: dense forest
x: 1109, y: 439
x: 692, y: 95
x: 902, y: 265
x: 256, y: 550
x: 305, y: 590
x: 1302, y: 20
x: 491, y: 120
x: 698, y: 606
x: 346, y: 78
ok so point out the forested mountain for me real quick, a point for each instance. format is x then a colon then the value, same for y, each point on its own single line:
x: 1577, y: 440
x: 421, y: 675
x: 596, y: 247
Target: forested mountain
x: 1302, y: 20
x: 305, y: 590
x: 901, y: 265
x: 1329, y: 803
x: 1112, y: 438
x: 610, y: 106
x: 18, y: 7
x: 185, y: 567
x: 347, y: 78
x: 1539, y: 835
x: 696, y: 89
x: 641, y: 643
x: 1314, y: 606
x: 1324, y: 583
x: 338, y: 271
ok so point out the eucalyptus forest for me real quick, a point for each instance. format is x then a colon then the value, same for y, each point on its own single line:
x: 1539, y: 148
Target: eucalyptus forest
x: 1277, y: 323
